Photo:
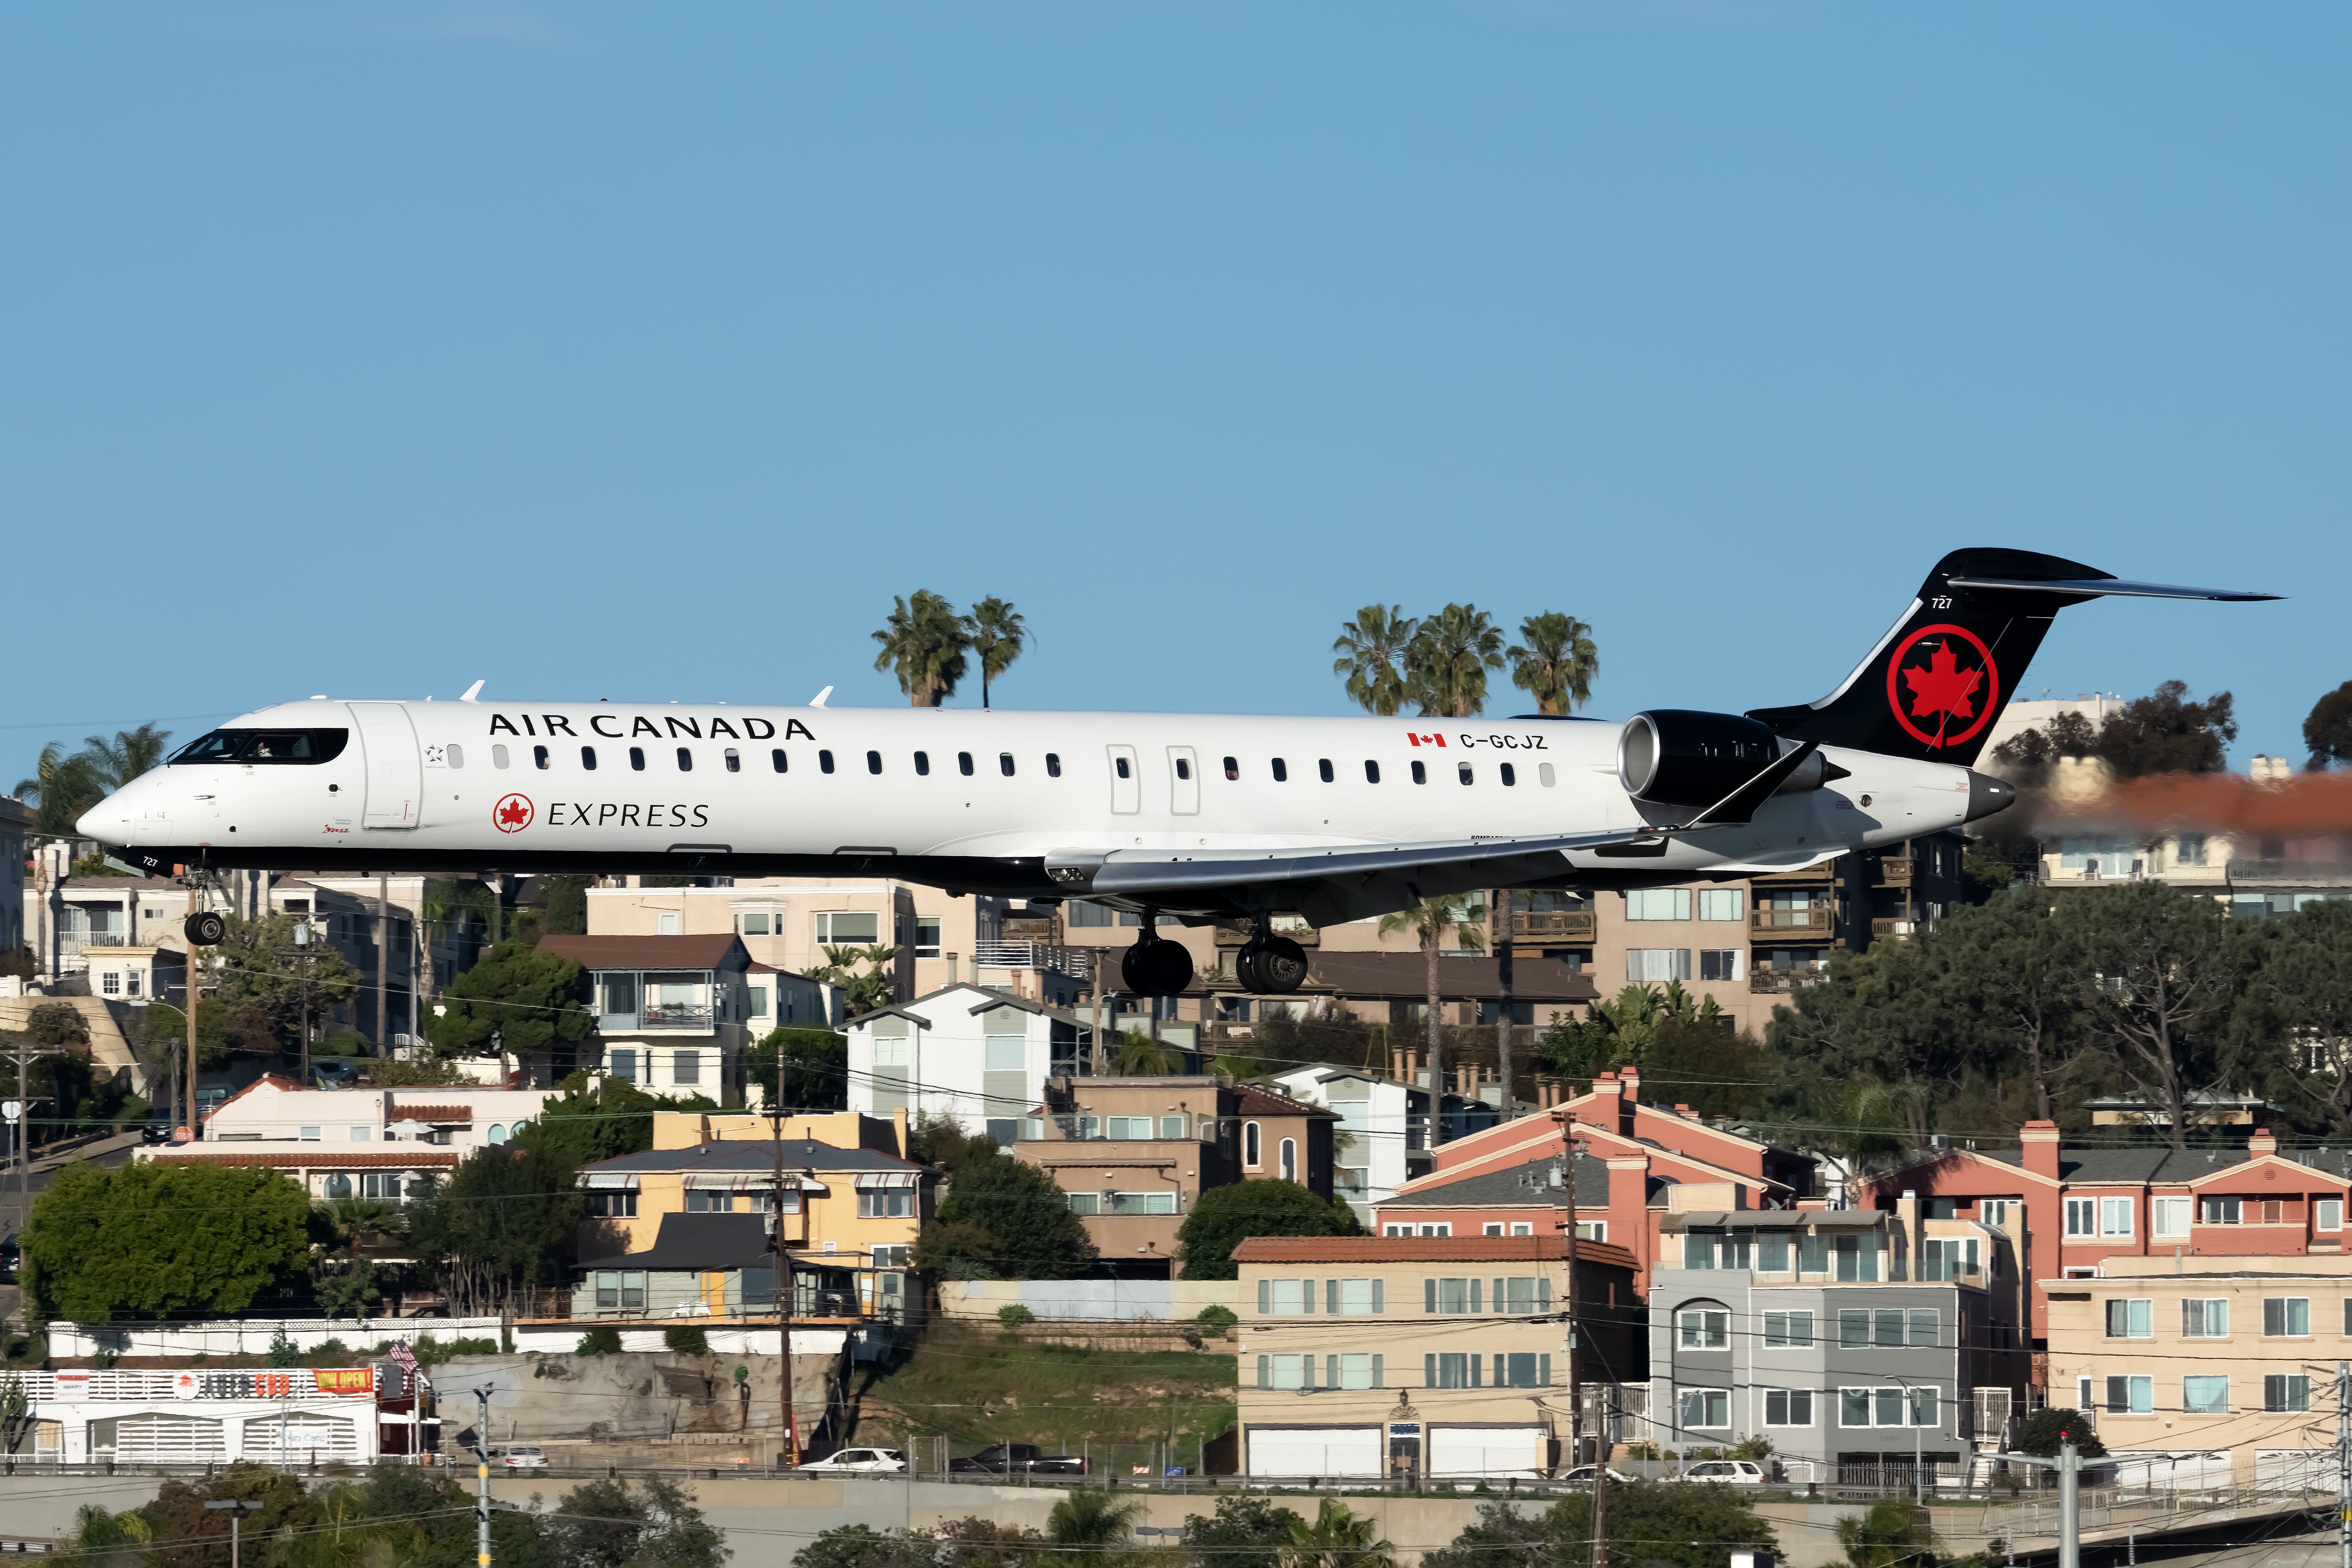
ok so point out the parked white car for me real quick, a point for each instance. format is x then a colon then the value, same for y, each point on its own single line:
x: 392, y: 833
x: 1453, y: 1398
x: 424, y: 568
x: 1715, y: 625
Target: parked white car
x: 865, y: 1460
x: 1727, y: 1472
x: 523, y: 1458
x: 1583, y: 1474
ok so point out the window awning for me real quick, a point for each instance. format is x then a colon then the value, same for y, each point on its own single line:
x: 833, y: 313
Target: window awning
x: 874, y: 1181
x: 747, y: 1182
x: 609, y: 1181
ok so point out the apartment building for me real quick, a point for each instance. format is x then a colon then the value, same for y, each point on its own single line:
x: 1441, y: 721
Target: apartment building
x: 2207, y: 1370
x: 1424, y: 1356
x: 1135, y: 1153
x: 1380, y: 1143
x: 16, y: 820
x: 682, y: 1228
x: 2073, y: 1212
x: 675, y: 1013
x: 1850, y: 1338
x: 980, y: 1056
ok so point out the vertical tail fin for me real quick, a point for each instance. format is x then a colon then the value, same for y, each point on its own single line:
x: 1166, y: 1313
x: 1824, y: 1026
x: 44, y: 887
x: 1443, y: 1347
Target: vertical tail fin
x: 1934, y: 684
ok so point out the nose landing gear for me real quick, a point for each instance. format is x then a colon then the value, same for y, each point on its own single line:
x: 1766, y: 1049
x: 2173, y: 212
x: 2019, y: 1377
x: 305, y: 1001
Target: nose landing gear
x: 1155, y: 966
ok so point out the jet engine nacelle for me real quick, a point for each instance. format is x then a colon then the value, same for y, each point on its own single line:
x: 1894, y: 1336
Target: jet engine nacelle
x: 1677, y: 756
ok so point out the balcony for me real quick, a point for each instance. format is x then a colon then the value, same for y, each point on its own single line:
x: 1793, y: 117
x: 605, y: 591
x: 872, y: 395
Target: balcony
x: 1894, y: 929
x: 1816, y: 924
x: 1769, y: 981
x: 1075, y: 961
x: 1553, y: 925
x: 2304, y: 873
x: 668, y: 1018
x: 80, y: 941
x: 1894, y: 872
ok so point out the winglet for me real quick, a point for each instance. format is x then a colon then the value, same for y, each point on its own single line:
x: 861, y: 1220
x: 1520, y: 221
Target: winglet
x: 472, y: 691
x: 818, y: 701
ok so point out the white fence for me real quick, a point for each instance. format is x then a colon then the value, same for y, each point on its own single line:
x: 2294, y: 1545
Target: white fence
x: 253, y: 1336
x: 1091, y: 1300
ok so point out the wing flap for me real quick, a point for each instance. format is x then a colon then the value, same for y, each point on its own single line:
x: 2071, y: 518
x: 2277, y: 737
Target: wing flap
x: 1128, y: 874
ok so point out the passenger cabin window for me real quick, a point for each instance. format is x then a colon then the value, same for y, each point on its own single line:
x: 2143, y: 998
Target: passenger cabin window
x: 734, y: 761
x: 873, y: 762
x: 1117, y: 763
x: 922, y: 765
x: 1053, y: 764
x: 1233, y: 769
x: 1420, y: 774
x: 1466, y: 772
x: 1183, y: 767
x: 1004, y: 764
x: 963, y: 765
x: 498, y: 757
x: 588, y: 758
x: 1324, y: 768
x: 824, y: 762
x: 1372, y: 771
x: 637, y: 758
x: 685, y: 761
x: 456, y: 756
x: 1545, y: 777
x: 1281, y: 770
x: 1510, y: 776
x: 776, y: 758
x: 538, y: 755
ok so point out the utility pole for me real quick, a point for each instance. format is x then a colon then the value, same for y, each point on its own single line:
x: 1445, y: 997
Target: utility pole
x: 481, y: 1471
x: 1506, y: 917
x: 236, y: 1511
x: 382, y: 965
x: 2344, y: 1464
x: 791, y: 1433
x: 2070, y: 1503
x: 189, y: 1077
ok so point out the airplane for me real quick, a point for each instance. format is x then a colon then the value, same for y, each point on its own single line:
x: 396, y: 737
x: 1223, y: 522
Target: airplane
x: 1204, y: 818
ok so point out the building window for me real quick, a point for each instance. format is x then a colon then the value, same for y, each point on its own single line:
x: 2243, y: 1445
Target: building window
x: 1722, y: 965
x: 1127, y: 1127
x: 2082, y: 1217
x: 697, y: 1201
x: 1351, y: 1371
x: 1285, y: 1298
x: 1250, y: 1145
x: 1788, y: 1407
x: 685, y: 1066
x: 496, y: 1134
x: 1353, y: 1298
x: 1705, y: 1330
x: 613, y: 1206
x: 309, y: 1135
x: 1792, y: 1328
x: 897, y: 1202
x: 1707, y: 1407
x: 927, y: 936
x: 2114, y: 1216
x: 1522, y: 1369
x: 2327, y: 1214
x: 2208, y: 1395
x: 1450, y: 1369
x: 2218, y: 1210
x: 1853, y: 1330
x: 1887, y: 1330
x: 1290, y: 1159
x: 2131, y: 1320
x: 1924, y: 1324
x: 1452, y: 1296
x: 2286, y: 1391
x: 755, y: 1003
x: 622, y: 1063
x: 620, y: 1291
x: 1645, y: 965
x: 1659, y: 904
x: 1722, y: 904
x: 848, y: 928
x: 2169, y: 1216
x: 2288, y: 1316
x: 362, y: 1134
x: 2205, y: 1319
x: 110, y: 983
x: 1086, y: 1204
x: 2131, y: 1396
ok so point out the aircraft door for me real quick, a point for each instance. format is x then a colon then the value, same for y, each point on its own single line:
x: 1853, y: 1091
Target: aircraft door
x: 1126, y: 781
x: 395, y: 773
x: 1183, y: 781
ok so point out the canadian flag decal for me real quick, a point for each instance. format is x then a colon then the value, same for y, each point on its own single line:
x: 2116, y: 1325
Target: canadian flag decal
x: 1426, y: 740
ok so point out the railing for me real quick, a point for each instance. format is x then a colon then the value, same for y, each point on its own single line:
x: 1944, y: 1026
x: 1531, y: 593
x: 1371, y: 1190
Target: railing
x: 1075, y: 961
x: 1554, y: 925
x: 76, y: 940
x: 2289, y: 871
x: 677, y: 1017
x: 1792, y: 925
x: 1895, y: 873
x: 1762, y: 982
x: 1882, y: 929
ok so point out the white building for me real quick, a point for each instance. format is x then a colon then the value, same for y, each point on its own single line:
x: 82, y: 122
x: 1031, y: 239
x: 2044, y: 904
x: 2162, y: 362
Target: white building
x: 463, y: 1117
x: 1371, y: 1153
x: 198, y: 1415
x: 982, y: 1057
x: 675, y: 1013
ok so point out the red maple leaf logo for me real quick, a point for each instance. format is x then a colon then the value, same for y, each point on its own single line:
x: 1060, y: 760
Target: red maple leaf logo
x: 1943, y: 687
x: 512, y: 814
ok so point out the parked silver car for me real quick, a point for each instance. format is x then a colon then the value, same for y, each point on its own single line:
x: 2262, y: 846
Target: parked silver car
x: 1727, y: 1472
x: 863, y: 1460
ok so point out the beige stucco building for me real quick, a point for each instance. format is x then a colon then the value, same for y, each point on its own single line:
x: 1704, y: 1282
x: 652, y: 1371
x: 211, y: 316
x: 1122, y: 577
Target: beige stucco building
x: 2207, y: 1369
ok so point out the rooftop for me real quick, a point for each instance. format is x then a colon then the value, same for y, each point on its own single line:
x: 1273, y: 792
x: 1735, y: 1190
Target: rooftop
x: 754, y: 1154
x: 1279, y: 1249
x: 713, y: 951
x: 1521, y: 1186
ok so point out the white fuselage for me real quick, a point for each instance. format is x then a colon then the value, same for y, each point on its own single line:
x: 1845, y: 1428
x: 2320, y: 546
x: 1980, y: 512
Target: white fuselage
x: 939, y: 794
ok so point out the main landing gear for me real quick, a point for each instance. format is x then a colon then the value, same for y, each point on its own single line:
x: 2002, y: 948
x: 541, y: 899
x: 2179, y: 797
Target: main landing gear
x: 1270, y: 965
x: 1155, y: 966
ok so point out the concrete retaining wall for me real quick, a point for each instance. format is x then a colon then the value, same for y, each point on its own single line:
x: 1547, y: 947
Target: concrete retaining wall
x: 1090, y: 1301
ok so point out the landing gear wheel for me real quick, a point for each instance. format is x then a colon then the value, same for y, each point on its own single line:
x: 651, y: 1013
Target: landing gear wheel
x: 205, y: 927
x: 1156, y: 968
x: 1272, y: 966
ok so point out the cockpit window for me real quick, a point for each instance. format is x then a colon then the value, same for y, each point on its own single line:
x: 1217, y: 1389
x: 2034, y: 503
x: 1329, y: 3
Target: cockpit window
x: 259, y: 746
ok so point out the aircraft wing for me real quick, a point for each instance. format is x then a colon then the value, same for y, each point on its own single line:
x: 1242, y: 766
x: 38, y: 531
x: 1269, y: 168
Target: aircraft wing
x: 1324, y: 882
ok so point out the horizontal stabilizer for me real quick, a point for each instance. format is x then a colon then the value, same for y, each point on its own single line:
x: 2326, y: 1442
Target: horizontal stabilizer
x: 2113, y: 586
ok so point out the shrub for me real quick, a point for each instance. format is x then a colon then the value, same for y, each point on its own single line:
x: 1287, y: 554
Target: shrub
x: 601, y: 1340
x: 1013, y: 1315
x: 1218, y: 1321
x: 687, y: 1340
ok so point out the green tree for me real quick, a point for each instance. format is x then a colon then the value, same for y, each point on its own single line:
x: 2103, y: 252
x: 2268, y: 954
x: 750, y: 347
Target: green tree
x: 947, y: 1251
x: 1141, y: 1055
x: 1429, y: 921
x: 115, y: 763
x: 2164, y: 732
x: 615, y: 1524
x: 924, y: 643
x: 1246, y: 1531
x: 62, y: 787
x: 1892, y: 1532
x: 160, y: 1239
x: 1701, y: 1063
x: 1371, y: 650
x: 262, y: 971
x: 1224, y: 1218
x: 863, y: 1546
x: 864, y: 993
x: 504, y: 1213
x: 999, y: 635
x: 1092, y: 1523
x: 1557, y: 663
x: 531, y: 998
x: 2298, y: 1012
x: 1036, y: 1236
x: 567, y: 905
x: 1675, y: 1524
x: 1447, y: 661
x: 2327, y: 731
x: 2045, y: 1428
x: 814, y: 1064
x: 605, y: 1117
x: 1337, y: 1539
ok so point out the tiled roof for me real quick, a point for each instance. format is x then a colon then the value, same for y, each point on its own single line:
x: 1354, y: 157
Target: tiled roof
x: 751, y: 1155
x: 322, y: 1160
x: 1279, y: 1249
x: 1508, y: 1189
x: 1251, y: 1100
x: 2129, y: 1164
x: 433, y: 1113
x: 709, y: 951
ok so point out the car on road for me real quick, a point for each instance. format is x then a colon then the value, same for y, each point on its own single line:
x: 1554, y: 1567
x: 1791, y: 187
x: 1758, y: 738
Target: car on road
x: 12, y: 1256
x: 157, y: 1127
x: 1583, y: 1473
x: 1728, y: 1472
x: 1018, y: 1458
x: 525, y: 1456
x: 861, y: 1461
x: 335, y: 1072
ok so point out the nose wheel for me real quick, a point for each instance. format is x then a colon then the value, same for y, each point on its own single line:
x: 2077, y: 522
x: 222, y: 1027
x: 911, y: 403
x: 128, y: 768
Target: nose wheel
x: 1155, y: 966
x: 1270, y: 965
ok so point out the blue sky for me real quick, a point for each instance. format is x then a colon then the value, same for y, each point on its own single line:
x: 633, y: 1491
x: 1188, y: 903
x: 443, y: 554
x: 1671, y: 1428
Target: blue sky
x: 646, y: 352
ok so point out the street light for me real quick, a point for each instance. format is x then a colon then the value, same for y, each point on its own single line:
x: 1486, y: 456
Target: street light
x: 237, y: 1510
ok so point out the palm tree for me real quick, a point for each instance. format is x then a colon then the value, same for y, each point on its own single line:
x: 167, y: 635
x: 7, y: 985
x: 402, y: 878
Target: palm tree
x: 1447, y: 661
x: 1141, y: 1055
x: 1090, y: 1521
x: 1337, y: 1539
x: 1557, y: 663
x: 923, y: 643
x: 1428, y: 921
x: 999, y: 635
x: 62, y: 787
x: 132, y: 752
x: 1371, y: 649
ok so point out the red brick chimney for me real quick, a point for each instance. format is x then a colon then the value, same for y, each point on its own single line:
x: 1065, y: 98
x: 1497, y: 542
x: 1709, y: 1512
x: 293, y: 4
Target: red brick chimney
x: 2041, y: 1140
x: 2263, y: 1141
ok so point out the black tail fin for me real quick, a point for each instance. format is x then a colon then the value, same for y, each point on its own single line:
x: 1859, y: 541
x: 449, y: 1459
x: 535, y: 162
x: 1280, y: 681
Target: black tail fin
x: 1934, y: 684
